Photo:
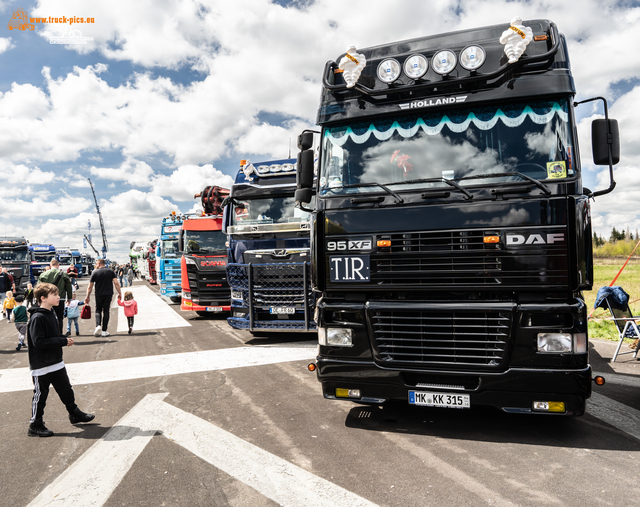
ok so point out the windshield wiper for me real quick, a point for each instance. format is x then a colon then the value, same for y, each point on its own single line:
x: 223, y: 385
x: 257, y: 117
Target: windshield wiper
x: 399, y: 199
x: 537, y: 183
x: 436, y: 180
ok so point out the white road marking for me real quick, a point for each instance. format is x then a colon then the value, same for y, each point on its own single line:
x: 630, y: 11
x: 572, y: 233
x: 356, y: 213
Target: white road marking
x: 19, y: 379
x: 95, y: 475
x: 91, y: 479
x: 153, y: 311
x: 616, y: 414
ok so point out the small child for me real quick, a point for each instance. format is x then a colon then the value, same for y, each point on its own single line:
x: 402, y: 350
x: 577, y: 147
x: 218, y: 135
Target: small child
x: 20, y: 318
x: 73, y: 312
x: 8, y: 306
x: 130, y: 308
x: 28, y: 296
x: 45, y: 361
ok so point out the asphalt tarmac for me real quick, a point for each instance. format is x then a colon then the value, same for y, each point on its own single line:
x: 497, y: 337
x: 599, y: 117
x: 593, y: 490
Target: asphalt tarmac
x: 190, y: 412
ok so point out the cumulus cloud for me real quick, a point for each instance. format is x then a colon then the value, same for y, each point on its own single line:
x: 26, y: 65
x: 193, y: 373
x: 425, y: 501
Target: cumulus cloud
x: 5, y: 44
x: 39, y: 207
x: 133, y: 172
x: 183, y: 183
x: 19, y: 175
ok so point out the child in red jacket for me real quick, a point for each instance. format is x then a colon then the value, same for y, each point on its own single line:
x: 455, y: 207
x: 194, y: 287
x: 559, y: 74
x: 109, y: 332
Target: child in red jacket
x: 130, y: 308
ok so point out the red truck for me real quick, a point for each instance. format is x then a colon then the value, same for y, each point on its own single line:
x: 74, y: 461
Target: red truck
x: 204, y: 257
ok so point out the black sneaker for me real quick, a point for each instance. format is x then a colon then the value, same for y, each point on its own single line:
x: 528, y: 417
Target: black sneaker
x: 130, y: 329
x: 68, y: 333
x: 19, y: 346
x: 39, y: 431
x: 78, y: 416
x: 77, y: 333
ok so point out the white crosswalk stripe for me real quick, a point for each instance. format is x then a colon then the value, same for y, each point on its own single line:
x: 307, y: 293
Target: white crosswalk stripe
x: 18, y: 379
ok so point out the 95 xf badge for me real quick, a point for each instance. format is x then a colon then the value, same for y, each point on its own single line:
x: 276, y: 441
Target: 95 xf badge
x: 350, y: 245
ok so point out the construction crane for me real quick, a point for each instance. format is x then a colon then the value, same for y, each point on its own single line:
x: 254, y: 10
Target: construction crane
x: 104, y: 234
x: 91, y: 245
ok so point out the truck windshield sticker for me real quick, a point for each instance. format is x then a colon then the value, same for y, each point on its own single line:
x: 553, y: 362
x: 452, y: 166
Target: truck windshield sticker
x: 556, y: 170
x: 517, y: 137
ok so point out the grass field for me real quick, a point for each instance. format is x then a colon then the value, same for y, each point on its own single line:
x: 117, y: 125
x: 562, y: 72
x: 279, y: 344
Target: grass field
x: 604, y: 270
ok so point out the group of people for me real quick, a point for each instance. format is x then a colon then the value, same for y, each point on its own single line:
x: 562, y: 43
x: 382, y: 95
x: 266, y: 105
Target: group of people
x: 42, y: 333
x: 126, y: 273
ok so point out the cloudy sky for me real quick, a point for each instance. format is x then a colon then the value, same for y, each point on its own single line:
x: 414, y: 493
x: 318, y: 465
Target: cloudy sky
x: 171, y: 94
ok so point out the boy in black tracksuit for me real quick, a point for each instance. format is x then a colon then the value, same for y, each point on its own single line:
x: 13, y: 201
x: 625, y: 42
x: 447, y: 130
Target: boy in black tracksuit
x: 45, y: 361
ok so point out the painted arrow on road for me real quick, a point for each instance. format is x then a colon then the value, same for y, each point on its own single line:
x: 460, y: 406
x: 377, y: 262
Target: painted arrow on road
x: 91, y: 480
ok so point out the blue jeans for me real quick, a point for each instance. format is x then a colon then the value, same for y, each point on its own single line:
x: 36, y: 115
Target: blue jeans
x: 75, y: 321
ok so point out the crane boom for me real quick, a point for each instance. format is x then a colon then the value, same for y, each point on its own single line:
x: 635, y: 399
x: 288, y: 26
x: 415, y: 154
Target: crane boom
x: 91, y: 245
x: 104, y: 234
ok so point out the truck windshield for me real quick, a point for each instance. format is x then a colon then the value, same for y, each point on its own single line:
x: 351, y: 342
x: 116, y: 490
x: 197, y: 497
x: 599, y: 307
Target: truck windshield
x: 64, y: 259
x: 14, y: 255
x: 274, y: 210
x: 205, y: 242
x: 170, y: 247
x: 45, y: 258
x: 533, y: 138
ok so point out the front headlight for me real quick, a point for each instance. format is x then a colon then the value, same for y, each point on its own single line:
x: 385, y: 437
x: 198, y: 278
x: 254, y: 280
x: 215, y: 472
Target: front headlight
x: 186, y: 295
x: 555, y: 343
x: 236, y: 294
x: 335, y: 337
x: 188, y: 260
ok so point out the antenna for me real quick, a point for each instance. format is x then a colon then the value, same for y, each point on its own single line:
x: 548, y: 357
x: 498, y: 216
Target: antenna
x: 289, y: 148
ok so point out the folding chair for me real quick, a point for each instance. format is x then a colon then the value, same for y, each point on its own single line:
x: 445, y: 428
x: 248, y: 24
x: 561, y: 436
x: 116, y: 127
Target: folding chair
x: 626, y: 324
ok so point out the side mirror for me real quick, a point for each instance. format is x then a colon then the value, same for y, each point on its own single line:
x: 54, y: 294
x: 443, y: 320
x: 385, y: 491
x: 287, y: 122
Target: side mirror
x: 181, y: 241
x: 303, y: 195
x: 304, y: 173
x: 305, y: 141
x: 605, y: 134
x: 605, y: 143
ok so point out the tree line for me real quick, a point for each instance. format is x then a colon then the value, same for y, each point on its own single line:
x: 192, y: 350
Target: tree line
x: 615, y: 236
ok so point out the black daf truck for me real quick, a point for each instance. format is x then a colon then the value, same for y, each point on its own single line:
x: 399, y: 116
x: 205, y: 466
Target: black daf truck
x: 451, y: 236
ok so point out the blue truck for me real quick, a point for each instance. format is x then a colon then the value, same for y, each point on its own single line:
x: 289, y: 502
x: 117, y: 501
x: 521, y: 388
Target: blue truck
x: 41, y: 256
x: 268, y: 266
x: 168, y: 257
x: 67, y: 257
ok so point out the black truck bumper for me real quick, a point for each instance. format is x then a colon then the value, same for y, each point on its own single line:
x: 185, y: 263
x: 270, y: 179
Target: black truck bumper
x: 514, y: 390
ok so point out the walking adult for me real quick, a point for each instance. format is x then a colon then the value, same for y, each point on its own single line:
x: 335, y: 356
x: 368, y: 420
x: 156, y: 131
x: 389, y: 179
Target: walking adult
x: 72, y: 271
x: 130, y: 275
x: 62, y: 281
x: 5, y: 285
x: 11, y: 280
x: 120, y: 271
x: 105, y: 280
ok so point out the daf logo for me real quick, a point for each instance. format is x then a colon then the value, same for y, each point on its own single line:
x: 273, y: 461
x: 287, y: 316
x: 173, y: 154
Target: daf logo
x: 535, y: 239
x: 432, y: 102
